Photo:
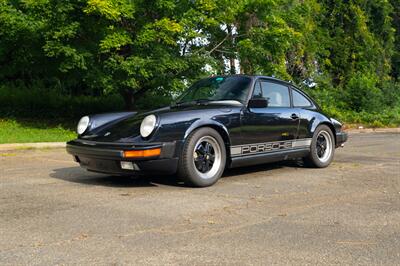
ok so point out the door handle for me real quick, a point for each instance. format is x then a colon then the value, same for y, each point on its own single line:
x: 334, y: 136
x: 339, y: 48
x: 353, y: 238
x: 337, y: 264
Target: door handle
x: 294, y: 116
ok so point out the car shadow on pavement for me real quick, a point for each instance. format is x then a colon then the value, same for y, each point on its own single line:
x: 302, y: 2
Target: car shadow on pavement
x: 78, y: 175
x: 261, y: 168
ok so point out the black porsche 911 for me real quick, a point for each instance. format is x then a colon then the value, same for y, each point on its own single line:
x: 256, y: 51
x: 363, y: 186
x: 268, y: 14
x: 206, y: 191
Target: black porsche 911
x: 219, y: 122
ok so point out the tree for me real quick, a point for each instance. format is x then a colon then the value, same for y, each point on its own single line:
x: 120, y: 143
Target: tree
x: 100, y: 46
x: 360, y: 38
x: 140, y: 48
x: 396, y: 26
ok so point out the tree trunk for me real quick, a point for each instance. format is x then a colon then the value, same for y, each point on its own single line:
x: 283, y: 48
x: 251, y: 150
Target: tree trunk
x: 232, y: 67
x: 129, y: 99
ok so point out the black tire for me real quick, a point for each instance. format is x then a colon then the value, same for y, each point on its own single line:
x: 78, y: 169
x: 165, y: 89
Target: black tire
x: 197, y: 155
x: 317, y: 157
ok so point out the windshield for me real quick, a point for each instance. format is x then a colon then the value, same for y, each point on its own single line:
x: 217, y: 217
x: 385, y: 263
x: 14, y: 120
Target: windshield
x: 218, y: 89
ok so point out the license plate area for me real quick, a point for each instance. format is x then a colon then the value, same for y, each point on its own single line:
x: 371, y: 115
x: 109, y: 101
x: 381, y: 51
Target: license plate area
x: 99, y: 164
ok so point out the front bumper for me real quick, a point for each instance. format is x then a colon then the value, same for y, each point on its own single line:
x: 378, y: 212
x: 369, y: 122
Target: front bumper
x: 341, y: 138
x: 107, y: 157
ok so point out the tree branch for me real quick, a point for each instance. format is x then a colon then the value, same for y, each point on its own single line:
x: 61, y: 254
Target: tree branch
x: 220, y: 43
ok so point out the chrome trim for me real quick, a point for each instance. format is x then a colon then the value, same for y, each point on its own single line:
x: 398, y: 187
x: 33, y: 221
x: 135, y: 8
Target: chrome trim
x: 302, y: 143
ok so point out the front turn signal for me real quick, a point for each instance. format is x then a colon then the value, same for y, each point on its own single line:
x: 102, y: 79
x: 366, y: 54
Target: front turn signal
x: 142, y: 153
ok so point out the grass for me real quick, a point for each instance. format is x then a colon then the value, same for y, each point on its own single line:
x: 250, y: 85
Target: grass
x: 25, y: 131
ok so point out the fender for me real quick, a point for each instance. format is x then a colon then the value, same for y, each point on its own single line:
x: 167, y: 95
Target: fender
x: 318, y: 120
x: 337, y: 125
x: 203, y: 123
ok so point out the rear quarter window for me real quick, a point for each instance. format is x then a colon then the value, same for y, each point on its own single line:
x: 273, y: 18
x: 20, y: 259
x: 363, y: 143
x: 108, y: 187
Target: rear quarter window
x: 299, y: 100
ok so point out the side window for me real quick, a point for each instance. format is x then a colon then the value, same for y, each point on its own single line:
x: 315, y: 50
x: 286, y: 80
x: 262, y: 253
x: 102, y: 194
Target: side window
x: 299, y: 100
x: 277, y: 95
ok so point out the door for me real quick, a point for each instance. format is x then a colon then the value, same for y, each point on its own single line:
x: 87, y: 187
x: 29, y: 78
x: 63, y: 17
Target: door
x: 277, y: 123
x: 306, y: 109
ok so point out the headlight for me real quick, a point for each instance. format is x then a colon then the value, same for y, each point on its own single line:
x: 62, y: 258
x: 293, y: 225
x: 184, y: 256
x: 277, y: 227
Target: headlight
x: 148, y: 125
x: 83, y: 125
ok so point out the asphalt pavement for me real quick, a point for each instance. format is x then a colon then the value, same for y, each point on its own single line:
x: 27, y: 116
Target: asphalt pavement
x: 52, y: 212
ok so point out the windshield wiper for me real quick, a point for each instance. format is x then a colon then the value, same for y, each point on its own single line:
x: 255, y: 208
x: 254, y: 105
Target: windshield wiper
x: 203, y: 102
x: 198, y: 101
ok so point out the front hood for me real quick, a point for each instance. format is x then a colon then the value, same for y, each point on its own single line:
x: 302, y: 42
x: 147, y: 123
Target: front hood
x: 128, y: 129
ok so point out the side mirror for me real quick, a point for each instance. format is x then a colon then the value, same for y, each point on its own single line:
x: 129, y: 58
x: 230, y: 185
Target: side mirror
x: 258, y: 103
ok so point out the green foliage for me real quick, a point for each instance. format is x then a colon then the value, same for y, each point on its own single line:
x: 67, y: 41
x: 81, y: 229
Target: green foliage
x: 362, y: 93
x: 360, y: 38
x: 391, y: 94
x: 86, y: 56
x: 41, y: 103
x: 44, y: 104
x: 114, y: 10
x: 378, y: 107
x: 396, y: 51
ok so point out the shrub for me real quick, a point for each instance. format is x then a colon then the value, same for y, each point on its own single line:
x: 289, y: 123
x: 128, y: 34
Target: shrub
x: 51, y: 103
x: 362, y: 93
x: 361, y: 102
x: 152, y: 100
x: 391, y: 94
x: 41, y: 103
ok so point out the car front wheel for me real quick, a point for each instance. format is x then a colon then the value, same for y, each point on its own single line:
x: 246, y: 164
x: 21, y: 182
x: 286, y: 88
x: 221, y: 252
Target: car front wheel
x: 203, y: 158
x: 322, y: 148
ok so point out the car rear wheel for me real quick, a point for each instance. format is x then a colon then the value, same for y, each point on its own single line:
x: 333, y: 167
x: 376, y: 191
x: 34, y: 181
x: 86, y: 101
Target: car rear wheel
x: 322, y: 148
x: 203, y: 158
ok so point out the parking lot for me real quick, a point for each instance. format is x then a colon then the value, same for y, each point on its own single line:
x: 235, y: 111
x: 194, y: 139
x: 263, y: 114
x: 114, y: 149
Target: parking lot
x: 54, y: 212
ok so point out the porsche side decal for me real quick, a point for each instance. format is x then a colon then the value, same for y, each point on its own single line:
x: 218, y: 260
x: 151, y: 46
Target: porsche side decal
x: 250, y: 149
